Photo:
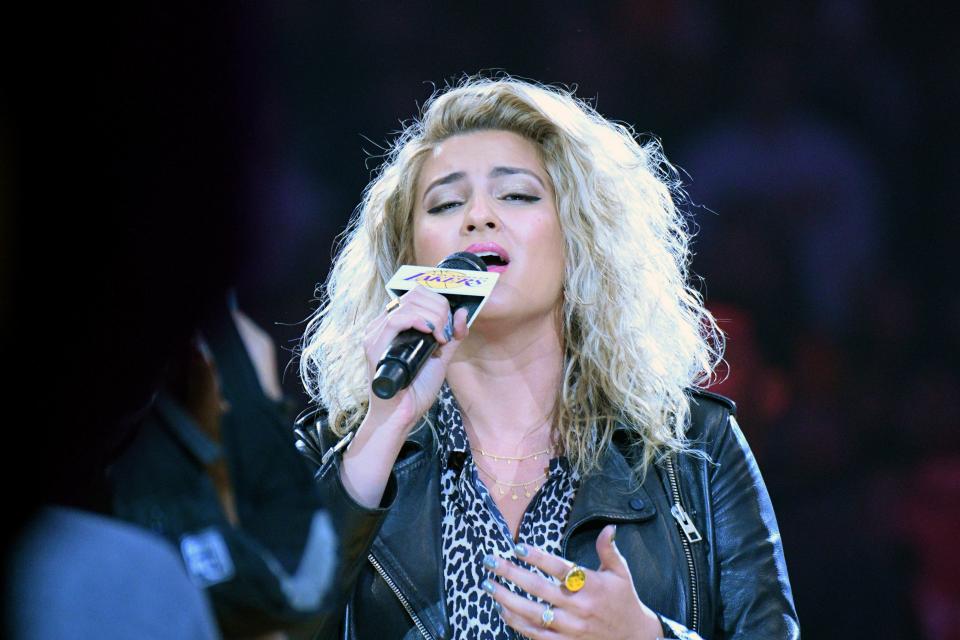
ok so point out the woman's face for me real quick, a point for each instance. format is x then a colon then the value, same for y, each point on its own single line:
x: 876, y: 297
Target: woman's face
x: 487, y: 192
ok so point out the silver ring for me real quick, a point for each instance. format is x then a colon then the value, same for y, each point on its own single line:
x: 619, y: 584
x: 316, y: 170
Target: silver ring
x: 546, y: 618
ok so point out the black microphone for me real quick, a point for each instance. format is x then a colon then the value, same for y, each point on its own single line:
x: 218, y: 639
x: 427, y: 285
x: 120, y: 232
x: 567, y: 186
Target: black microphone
x: 409, y: 351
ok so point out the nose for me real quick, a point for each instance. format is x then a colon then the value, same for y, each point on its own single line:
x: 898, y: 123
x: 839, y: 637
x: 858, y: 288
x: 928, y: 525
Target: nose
x: 480, y: 215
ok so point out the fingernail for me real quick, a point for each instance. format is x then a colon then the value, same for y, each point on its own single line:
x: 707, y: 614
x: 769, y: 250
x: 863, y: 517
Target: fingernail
x: 521, y: 550
x: 448, y: 329
x: 432, y: 326
x: 613, y: 536
x: 490, y: 561
x: 497, y: 607
x: 488, y: 586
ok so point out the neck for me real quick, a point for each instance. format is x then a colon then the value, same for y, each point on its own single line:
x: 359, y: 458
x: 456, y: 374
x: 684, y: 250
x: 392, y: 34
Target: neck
x: 507, y: 385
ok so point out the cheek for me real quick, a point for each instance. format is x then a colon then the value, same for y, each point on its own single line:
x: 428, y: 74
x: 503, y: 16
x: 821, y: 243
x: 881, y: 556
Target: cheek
x: 550, y: 242
x: 548, y: 257
x: 426, y: 244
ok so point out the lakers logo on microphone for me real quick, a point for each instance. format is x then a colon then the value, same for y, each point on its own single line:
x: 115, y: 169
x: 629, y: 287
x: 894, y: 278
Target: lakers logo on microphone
x: 444, y: 279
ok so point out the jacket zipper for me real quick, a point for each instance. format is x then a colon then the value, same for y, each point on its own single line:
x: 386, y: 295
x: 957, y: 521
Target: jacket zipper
x: 689, y: 534
x: 396, y: 591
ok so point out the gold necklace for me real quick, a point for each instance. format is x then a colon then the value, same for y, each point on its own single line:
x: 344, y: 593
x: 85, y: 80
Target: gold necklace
x: 513, y: 486
x: 535, y: 455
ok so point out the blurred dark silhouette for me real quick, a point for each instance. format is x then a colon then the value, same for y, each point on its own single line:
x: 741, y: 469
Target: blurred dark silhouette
x: 213, y: 470
x: 127, y: 132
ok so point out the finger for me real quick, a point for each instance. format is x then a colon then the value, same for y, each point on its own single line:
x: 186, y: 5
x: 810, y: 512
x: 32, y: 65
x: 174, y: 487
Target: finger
x: 427, y: 298
x: 395, y: 323
x: 438, y: 312
x: 550, y: 564
x: 610, y: 557
x: 460, y: 331
x: 372, y: 332
x: 460, y: 328
x: 529, y: 629
x: 430, y: 322
x: 520, y: 613
x: 533, y: 583
x: 434, y: 301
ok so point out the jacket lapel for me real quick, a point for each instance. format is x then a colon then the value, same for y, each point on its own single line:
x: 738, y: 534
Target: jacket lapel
x: 611, y: 495
x: 652, y: 547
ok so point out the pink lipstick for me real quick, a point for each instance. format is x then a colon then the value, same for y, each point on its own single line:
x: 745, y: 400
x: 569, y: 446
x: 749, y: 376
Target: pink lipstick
x: 493, y: 255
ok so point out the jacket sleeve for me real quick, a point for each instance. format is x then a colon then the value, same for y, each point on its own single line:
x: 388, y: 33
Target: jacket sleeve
x: 755, y: 599
x: 676, y: 631
x: 354, y: 525
x: 755, y: 596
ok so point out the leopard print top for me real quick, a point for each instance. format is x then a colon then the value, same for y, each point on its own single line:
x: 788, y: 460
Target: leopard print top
x: 474, y: 527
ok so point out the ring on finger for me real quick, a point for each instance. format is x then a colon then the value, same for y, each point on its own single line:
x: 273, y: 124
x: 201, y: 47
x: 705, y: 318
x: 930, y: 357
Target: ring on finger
x: 547, y: 616
x: 392, y: 305
x: 574, y: 578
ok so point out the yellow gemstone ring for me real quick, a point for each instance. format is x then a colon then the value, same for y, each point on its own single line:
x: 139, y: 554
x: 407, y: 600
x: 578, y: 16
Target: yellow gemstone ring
x: 575, y: 578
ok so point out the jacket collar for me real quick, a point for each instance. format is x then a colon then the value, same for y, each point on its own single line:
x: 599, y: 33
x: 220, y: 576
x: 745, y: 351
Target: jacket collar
x: 610, y: 494
x: 610, y: 491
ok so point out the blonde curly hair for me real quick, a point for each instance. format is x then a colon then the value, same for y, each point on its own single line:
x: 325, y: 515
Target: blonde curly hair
x: 635, y: 333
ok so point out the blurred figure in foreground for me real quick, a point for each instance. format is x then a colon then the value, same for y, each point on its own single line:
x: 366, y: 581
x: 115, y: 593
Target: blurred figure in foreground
x: 126, y: 169
x: 213, y: 470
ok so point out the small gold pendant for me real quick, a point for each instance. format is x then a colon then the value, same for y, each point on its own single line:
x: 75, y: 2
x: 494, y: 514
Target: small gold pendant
x: 515, y: 496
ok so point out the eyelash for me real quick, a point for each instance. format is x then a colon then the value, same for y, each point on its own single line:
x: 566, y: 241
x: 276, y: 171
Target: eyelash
x: 511, y: 197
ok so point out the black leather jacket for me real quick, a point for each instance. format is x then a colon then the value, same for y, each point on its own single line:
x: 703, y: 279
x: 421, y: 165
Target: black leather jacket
x: 731, y: 583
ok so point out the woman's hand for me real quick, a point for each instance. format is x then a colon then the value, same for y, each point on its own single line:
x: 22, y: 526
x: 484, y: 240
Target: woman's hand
x: 607, y: 607
x: 370, y: 456
x: 425, y: 311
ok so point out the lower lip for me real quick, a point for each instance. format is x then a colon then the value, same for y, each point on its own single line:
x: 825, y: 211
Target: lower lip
x: 499, y: 268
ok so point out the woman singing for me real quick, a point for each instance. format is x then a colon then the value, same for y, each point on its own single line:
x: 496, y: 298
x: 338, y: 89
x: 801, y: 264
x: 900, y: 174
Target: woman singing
x: 554, y: 471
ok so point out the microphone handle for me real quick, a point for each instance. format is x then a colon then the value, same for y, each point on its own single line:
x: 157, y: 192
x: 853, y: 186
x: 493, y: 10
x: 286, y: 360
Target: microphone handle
x: 402, y: 362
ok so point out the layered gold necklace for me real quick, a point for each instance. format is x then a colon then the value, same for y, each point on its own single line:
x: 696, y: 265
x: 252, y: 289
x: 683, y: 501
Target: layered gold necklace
x: 502, y: 486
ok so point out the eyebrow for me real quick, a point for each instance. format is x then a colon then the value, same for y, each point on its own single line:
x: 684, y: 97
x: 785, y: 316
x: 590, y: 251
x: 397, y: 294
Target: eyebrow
x: 495, y: 173
x: 447, y: 179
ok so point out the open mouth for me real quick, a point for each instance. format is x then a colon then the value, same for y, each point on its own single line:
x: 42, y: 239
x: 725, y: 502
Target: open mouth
x: 492, y: 259
x: 493, y: 255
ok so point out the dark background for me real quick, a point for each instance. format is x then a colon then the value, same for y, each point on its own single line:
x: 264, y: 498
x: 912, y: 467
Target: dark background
x: 822, y: 161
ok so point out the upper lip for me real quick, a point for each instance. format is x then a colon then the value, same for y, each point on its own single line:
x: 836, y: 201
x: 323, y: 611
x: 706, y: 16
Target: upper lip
x: 489, y: 247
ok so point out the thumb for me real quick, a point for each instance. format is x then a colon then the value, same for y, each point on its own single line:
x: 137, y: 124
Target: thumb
x: 460, y: 331
x: 610, y: 557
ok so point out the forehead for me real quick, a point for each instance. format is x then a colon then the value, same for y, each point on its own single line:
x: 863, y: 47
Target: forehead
x: 478, y: 152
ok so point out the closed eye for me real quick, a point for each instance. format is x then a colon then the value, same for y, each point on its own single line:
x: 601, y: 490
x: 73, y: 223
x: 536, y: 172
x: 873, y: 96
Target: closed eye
x: 522, y: 197
x: 440, y: 208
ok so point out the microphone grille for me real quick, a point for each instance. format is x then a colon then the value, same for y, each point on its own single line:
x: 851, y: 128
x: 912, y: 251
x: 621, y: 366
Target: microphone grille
x: 463, y: 260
